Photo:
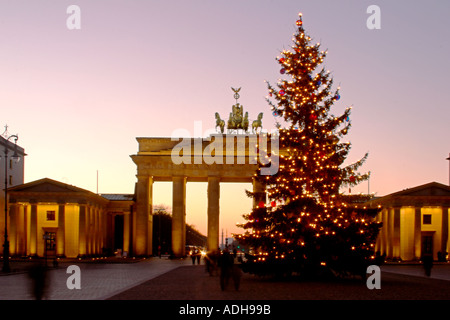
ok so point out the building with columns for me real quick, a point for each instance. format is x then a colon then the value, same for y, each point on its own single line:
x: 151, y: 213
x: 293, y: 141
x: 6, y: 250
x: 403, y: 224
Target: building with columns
x: 51, y: 218
x: 415, y: 222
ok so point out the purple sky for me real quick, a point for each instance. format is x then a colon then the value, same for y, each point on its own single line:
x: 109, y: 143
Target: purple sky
x: 78, y: 98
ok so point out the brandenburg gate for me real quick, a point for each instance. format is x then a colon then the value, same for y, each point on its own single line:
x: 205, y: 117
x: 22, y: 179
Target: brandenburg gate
x: 231, y: 157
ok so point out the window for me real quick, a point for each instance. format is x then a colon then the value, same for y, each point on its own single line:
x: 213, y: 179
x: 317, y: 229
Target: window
x: 426, y: 219
x: 50, y: 215
x: 10, y: 180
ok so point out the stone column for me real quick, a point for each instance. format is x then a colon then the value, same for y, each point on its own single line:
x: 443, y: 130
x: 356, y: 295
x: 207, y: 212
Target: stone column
x: 126, y: 233
x: 150, y: 232
x: 97, y: 231
x: 104, y: 228
x: 60, y: 235
x: 144, y: 193
x: 100, y: 230
x: 213, y: 213
x: 179, y: 216
x: 88, y: 226
x: 383, y: 233
x: 94, y: 230
x: 21, y: 230
x: 389, y: 234
x: 82, y: 243
x: 378, y: 241
x: 396, y: 233
x: 12, y: 236
x: 33, y: 230
x: 444, y: 232
x: 26, y: 229
x: 417, y: 232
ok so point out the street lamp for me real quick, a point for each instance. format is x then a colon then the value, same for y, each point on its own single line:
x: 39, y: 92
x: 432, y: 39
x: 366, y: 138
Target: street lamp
x: 15, y: 157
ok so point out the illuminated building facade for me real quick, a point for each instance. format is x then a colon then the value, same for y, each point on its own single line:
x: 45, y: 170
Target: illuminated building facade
x: 50, y: 218
x: 415, y: 223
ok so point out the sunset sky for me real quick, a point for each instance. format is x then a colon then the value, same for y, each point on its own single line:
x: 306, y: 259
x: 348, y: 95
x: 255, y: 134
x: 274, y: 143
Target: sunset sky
x: 79, y: 98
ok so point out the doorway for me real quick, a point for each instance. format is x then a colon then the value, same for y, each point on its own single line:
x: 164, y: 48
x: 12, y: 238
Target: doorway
x: 118, y: 232
x: 50, y: 244
x: 427, y: 244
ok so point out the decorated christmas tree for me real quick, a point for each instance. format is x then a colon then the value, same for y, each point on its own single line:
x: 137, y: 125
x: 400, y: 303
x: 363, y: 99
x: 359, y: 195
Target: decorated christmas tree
x: 308, y: 225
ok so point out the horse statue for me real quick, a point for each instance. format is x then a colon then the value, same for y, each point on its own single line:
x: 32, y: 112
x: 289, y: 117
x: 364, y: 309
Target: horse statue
x: 257, y: 123
x: 220, y: 123
x: 245, y: 122
x: 231, y: 125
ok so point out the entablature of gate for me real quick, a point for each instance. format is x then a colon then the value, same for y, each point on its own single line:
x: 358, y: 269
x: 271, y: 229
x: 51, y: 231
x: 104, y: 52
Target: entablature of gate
x: 239, y: 145
x: 232, y: 158
x: 163, y: 169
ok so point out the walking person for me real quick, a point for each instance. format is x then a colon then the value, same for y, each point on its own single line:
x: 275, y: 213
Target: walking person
x: 38, y: 275
x: 193, y: 255
x: 427, y: 264
x: 225, y: 268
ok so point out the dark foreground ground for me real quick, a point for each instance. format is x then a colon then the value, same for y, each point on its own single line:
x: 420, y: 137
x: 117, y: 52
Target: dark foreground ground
x: 193, y: 283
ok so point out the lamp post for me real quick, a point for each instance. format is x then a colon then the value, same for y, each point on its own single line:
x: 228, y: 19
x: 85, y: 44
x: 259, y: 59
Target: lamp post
x: 5, y: 139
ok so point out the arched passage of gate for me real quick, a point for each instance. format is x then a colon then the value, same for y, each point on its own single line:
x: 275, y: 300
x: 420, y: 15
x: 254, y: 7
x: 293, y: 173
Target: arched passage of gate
x: 190, y: 159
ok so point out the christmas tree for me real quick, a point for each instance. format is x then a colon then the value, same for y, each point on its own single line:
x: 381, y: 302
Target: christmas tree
x: 309, y: 225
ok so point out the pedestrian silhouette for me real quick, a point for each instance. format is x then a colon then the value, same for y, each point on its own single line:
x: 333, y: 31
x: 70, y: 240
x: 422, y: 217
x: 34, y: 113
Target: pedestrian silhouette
x: 38, y: 275
x: 228, y: 270
x: 427, y: 264
x: 211, y: 261
x: 193, y: 256
x: 55, y: 263
x: 225, y: 267
x: 236, y: 274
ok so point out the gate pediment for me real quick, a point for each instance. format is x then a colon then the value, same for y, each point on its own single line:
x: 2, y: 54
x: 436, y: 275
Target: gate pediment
x: 46, y: 185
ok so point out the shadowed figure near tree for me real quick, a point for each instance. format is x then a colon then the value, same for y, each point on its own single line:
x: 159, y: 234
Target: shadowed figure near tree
x: 427, y: 264
x: 38, y: 275
x: 228, y: 270
x: 211, y: 260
